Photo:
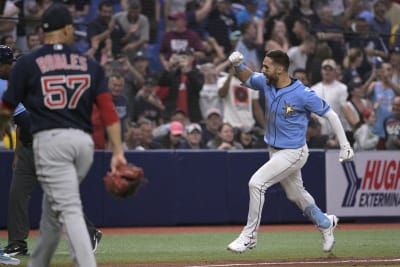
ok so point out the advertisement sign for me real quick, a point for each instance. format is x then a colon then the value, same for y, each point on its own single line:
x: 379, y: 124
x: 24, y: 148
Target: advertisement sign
x: 367, y: 186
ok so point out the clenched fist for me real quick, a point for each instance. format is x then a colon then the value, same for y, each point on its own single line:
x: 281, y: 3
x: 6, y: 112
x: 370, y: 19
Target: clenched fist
x: 236, y: 58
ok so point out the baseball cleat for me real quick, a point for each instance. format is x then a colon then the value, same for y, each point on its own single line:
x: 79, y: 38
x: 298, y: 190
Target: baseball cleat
x: 327, y: 234
x: 242, y: 243
x: 16, y: 249
x: 97, y: 235
x: 8, y: 260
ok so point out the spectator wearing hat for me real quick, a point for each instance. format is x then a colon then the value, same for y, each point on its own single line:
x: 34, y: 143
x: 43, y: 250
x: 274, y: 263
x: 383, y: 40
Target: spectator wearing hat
x: 193, y: 137
x: 175, y: 137
x: 249, y: 13
x: 147, y: 103
x: 178, y: 39
x: 355, y: 105
x: 133, y: 30
x: 392, y: 126
x: 213, y: 122
x: 99, y: 32
x: 221, y: 23
x: 333, y: 92
x: 364, y: 136
x: 182, y: 84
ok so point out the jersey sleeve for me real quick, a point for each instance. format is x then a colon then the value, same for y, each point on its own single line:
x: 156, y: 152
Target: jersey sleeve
x: 314, y: 103
x: 256, y: 81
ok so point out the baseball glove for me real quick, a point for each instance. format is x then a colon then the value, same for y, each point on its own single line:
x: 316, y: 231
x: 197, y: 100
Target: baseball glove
x: 126, y: 182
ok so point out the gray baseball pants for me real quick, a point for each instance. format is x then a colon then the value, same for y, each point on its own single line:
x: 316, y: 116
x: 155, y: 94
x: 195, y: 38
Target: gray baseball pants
x: 62, y: 159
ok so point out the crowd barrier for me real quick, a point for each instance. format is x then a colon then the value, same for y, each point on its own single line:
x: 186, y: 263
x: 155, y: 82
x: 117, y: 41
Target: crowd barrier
x: 184, y: 187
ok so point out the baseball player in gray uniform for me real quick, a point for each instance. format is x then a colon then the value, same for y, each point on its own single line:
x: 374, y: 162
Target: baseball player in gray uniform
x: 289, y: 105
x: 59, y: 86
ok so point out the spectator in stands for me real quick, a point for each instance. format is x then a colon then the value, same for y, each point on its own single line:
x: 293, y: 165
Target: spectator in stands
x: 392, y: 11
x: 351, y: 62
x: 315, y: 139
x: 392, y: 126
x: 33, y: 11
x: 183, y: 83
x: 241, y: 104
x: 193, y: 137
x: 395, y: 61
x: 301, y: 75
x: 277, y: 37
x: 300, y: 31
x: 133, y: 30
x: 355, y: 105
x: 213, y: 52
x: 116, y: 85
x: 322, y: 52
x: 33, y: 41
x: 8, y: 25
x: 380, y: 25
x: 175, y: 137
x: 333, y: 92
x: 99, y: 31
x: 382, y: 92
x: 370, y: 44
x: 225, y: 139
x: 221, y: 23
x: 209, y: 97
x: 250, y: 44
x: 299, y: 55
x: 196, y: 14
x: 364, y: 137
x: 212, y: 123
x: 180, y: 38
x: 249, y: 13
x: 147, y: 142
x: 246, y: 138
x: 329, y: 32
x: 305, y: 11
x: 133, y: 137
x: 147, y: 104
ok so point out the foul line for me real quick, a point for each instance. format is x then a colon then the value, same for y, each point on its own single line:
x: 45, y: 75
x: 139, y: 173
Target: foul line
x: 301, y: 262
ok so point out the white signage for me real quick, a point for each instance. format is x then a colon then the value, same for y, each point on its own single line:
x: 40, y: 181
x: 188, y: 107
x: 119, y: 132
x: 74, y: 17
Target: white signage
x: 367, y: 186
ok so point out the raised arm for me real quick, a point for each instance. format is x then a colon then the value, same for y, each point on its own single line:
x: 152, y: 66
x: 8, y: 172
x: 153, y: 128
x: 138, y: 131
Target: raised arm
x: 241, y: 71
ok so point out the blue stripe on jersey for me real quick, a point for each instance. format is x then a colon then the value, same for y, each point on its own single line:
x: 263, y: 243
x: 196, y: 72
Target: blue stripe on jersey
x: 287, y: 111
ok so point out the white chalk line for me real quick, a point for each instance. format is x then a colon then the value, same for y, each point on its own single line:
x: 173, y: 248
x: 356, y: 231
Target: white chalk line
x: 301, y: 262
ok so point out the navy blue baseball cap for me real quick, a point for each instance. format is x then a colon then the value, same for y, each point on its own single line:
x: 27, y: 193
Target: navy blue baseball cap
x: 56, y: 17
x: 6, y: 55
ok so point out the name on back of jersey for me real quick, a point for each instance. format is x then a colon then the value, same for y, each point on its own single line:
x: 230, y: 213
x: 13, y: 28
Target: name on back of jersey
x: 52, y: 62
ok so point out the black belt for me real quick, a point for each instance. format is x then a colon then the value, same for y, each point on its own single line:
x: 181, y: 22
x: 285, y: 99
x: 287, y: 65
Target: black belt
x: 277, y: 148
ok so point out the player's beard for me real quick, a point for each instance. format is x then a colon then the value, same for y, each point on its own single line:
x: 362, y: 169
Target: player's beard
x: 272, y: 79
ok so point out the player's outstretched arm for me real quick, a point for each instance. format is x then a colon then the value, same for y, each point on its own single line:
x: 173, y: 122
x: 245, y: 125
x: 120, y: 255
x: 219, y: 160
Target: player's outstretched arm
x: 114, y: 134
x: 241, y: 71
x: 346, y: 152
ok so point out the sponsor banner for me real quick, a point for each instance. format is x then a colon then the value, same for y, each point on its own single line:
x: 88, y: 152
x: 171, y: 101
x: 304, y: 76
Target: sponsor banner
x: 367, y: 186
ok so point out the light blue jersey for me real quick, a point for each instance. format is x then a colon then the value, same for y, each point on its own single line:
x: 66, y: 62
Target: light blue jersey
x: 3, y: 86
x: 287, y: 111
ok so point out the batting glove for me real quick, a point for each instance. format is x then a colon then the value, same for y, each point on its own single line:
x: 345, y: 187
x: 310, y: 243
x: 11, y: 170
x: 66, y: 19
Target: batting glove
x: 346, y: 153
x: 236, y: 58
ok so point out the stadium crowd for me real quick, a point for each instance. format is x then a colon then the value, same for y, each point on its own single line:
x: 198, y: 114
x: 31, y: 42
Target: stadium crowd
x: 173, y: 87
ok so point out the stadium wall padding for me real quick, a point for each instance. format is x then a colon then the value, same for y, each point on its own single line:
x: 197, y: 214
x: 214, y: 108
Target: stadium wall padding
x: 184, y: 187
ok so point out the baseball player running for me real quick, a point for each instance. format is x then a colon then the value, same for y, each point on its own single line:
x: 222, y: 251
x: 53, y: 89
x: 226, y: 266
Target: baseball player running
x: 59, y: 86
x: 288, y: 107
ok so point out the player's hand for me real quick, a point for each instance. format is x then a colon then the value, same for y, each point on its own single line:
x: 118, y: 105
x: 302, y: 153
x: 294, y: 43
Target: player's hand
x: 236, y: 58
x: 346, y: 153
x: 117, y: 159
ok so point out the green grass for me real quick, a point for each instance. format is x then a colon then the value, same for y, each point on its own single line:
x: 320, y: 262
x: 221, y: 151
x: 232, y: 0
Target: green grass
x: 211, y: 247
